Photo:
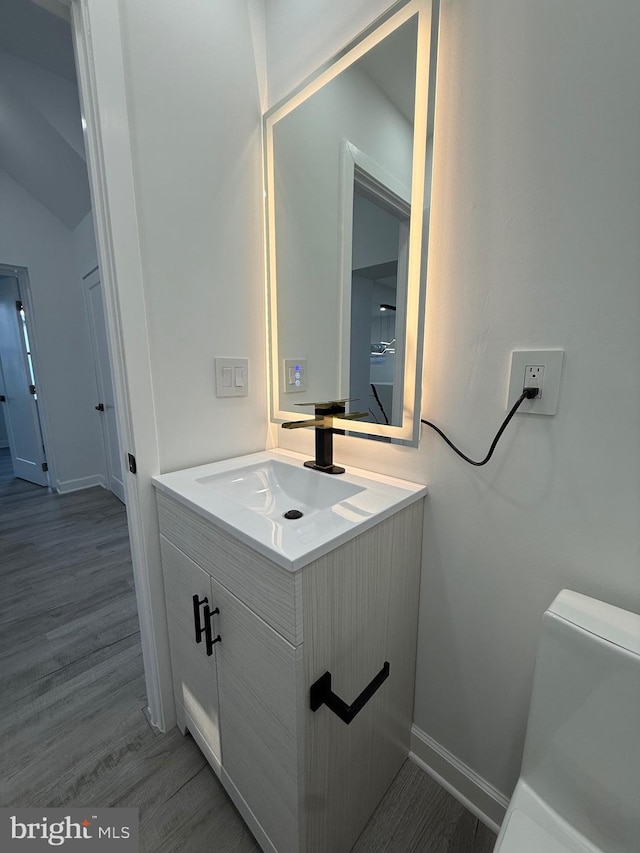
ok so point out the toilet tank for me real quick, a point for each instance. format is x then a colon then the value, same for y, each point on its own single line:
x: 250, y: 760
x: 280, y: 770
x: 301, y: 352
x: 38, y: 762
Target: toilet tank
x: 582, y: 749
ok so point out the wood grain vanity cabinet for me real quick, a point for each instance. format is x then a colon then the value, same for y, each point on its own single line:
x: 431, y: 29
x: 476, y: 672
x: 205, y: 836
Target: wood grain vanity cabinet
x: 304, y: 781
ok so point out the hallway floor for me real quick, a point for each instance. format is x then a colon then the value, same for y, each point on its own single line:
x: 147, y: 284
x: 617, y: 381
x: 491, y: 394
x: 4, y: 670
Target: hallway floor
x: 72, y: 723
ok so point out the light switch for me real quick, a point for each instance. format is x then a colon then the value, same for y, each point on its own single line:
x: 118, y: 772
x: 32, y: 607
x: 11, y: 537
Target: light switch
x: 232, y: 377
x: 294, y: 375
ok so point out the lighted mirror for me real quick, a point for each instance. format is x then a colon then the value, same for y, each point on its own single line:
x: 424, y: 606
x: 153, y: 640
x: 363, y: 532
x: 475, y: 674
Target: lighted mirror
x: 348, y: 171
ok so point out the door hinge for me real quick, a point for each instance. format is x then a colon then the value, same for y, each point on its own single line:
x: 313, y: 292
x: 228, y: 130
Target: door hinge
x: 132, y: 463
x: 32, y: 389
x: 19, y: 305
x: 45, y: 466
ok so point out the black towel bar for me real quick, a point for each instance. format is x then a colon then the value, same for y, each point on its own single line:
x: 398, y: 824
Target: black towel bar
x: 321, y: 693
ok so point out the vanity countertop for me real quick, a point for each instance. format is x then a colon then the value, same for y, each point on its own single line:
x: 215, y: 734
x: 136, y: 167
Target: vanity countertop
x: 247, y: 496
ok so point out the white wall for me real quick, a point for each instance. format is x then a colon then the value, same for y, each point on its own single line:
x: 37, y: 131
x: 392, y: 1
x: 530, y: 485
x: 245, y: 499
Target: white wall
x: 195, y: 119
x: 84, y: 242
x: 53, y: 96
x: 302, y: 36
x: 534, y: 244
x: 375, y: 234
x: 32, y: 237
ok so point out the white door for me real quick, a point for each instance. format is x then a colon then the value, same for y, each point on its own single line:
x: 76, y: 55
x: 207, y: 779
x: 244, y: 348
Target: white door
x: 105, y: 408
x: 21, y: 402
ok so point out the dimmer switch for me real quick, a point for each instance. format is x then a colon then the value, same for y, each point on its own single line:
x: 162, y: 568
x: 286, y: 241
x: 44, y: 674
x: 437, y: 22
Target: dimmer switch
x: 294, y: 375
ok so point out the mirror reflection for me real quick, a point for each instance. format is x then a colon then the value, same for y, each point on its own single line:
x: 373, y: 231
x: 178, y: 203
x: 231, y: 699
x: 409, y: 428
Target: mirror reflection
x: 379, y: 255
x: 340, y: 160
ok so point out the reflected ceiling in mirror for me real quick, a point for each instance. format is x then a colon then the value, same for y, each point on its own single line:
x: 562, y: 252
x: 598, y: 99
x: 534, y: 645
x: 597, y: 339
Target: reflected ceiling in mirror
x: 346, y: 171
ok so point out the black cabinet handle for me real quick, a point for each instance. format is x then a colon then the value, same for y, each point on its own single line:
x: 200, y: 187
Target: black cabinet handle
x: 200, y: 630
x: 208, y: 628
x: 321, y: 693
x: 3, y: 399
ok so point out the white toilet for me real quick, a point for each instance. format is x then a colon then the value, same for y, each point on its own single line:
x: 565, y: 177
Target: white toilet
x: 579, y: 788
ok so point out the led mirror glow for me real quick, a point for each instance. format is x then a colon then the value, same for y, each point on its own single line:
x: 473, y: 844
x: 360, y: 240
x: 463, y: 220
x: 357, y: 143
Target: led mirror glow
x: 347, y: 204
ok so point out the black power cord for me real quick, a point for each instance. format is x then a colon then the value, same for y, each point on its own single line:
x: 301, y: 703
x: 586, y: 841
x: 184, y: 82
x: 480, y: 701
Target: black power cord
x: 375, y: 394
x: 527, y: 394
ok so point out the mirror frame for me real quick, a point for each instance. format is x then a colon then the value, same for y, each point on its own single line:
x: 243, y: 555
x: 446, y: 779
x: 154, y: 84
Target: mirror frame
x: 409, y: 431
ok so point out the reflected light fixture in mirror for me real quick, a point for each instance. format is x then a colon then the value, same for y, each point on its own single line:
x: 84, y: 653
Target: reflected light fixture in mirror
x: 347, y: 205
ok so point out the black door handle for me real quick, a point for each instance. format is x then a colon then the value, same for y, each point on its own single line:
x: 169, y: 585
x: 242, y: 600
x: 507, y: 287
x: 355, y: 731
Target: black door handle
x: 200, y: 630
x: 321, y: 693
x: 208, y: 626
x: 3, y: 399
x: 99, y: 407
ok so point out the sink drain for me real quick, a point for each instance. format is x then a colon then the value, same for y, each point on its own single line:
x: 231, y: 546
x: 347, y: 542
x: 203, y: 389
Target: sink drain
x: 293, y: 513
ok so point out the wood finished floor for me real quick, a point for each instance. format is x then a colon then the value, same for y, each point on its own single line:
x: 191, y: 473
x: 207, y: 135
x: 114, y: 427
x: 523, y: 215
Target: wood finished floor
x: 72, y: 726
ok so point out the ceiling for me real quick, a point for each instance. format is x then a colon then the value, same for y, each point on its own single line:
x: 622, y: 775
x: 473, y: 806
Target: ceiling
x: 31, y: 32
x: 391, y: 65
x: 41, y: 145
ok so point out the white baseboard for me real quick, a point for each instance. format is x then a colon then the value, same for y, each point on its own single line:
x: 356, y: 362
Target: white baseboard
x: 474, y: 792
x: 62, y: 487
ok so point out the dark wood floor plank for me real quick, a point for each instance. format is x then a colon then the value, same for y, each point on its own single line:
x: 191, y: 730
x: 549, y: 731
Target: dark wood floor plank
x: 415, y: 815
x: 212, y: 820
x: 463, y: 839
x: 485, y: 839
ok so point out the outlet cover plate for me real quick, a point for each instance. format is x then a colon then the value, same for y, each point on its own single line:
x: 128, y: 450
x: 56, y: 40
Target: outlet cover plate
x: 551, y: 360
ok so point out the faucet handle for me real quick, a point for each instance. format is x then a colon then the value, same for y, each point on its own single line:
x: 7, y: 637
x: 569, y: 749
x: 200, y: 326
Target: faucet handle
x: 313, y: 422
x: 352, y: 416
x: 329, y: 407
x: 328, y: 404
x: 324, y: 412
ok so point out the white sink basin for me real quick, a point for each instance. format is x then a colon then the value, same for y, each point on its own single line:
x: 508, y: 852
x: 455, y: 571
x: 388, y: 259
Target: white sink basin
x: 249, y: 496
x: 273, y: 487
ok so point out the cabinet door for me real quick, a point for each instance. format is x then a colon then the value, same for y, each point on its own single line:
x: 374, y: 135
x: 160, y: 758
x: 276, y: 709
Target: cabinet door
x: 258, y: 715
x: 194, y: 673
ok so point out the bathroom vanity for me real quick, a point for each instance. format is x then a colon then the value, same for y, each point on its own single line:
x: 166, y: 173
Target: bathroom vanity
x: 269, y: 616
x: 292, y: 595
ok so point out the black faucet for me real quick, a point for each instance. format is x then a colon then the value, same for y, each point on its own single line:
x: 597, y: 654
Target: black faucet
x: 323, y: 422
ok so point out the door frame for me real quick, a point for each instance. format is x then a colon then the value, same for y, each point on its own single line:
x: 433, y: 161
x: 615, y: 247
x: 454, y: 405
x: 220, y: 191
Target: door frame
x: 24, y: 288
x: 97, y: 42
x: 90, y: 280
x: 356, y: 167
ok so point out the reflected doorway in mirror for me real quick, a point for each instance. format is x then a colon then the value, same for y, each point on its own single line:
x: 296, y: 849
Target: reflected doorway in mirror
x: 376, y: 217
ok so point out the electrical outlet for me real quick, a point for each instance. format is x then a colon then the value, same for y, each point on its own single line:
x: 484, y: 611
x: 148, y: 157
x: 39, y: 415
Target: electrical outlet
x: 536, y: 369
x: 534, y: 378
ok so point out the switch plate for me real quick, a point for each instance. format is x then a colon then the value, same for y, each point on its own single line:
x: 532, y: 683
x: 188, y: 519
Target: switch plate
x: 538, y: 369
x: 294, y: 375
x: 232, y: 377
